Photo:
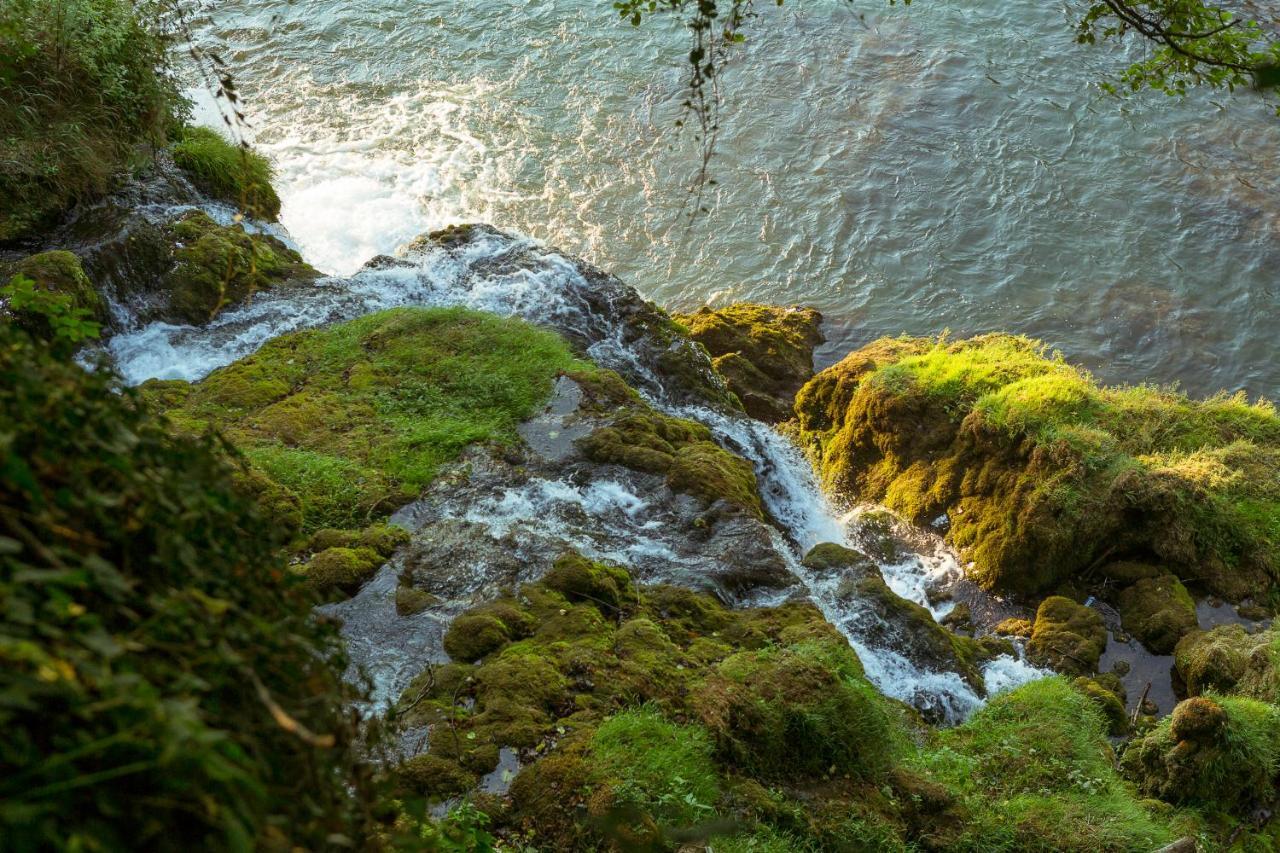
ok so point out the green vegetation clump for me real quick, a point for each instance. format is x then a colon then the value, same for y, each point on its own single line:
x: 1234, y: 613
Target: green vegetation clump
x: 1041, y: 472
x: 223, y: 170
x: 1067, y: 636
x: 644, y: 440
x: 356, y: 419
x: 84, y: 84
x: 764, y: 352
x: 163, y: 682
x: 50, y: 296
x: 1219, y: 753
x: 1228, y: 659
x: 1033, y: 771
x: 1158, y: 611
x: 216, y: 267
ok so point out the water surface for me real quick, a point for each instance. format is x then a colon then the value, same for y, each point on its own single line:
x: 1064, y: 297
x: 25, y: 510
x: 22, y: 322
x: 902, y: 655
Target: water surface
x: 947, y: 166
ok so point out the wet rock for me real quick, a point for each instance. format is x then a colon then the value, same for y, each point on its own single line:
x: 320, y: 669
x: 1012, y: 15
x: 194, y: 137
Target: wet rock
x: 598, y: 312
x: 1158, y: 611
x: 959, y: 619
x: 764, y: 352
x: 1067, y: 636
x: 882, y: 618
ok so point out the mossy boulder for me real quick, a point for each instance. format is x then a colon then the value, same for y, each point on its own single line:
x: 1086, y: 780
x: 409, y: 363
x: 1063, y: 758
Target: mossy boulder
x: 683, y: 451
x: 1228, y: 659
x: 60, y: 274
x: 1043, y: 474
x: 1158, y: 611
x: 434, y: 776
x: 1108, y: 694
x: 355, y: 419
x: 1067, y: 636
x: 216, y: 267
x: 482, y: 631
x: 786, y: 711
x: 341, y: 569
x: 764, y: 352
x: 579, y: 579
x: 1215, y: 752
x: 411, y: 601
x: 228, y: 172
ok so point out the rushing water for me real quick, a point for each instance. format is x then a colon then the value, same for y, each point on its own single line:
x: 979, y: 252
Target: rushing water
x: 943, y: 166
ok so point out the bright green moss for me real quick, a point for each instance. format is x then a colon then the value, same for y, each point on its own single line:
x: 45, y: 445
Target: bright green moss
x: 650, y: 764
x: 227, y: 171
x: 1217, y: 752
x: 1034, y: 770
x: 352, y: 453
x: 1158, y: 611
x: 341, y: 569
x: 645, y: 440
x: 1042, y: 472
x: 1067, y: 636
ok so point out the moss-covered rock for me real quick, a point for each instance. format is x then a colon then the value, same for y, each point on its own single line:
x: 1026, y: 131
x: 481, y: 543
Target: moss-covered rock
x: 764, y: 352
x: 355, y: 419
x: 1042, y: 473
x: 341, y: 569
x: 1216, y: 752
x: 60, y: 273
x: 216, y: 267
x: 644, y: 440
x: 579, y: 579
x: 1013, y: 627
x: 1067, y: 636
x: 1108, y: 694
x: 1228, y: 659
x: 226, y: 171
x: 434, y: 776
x: 1158, y: 611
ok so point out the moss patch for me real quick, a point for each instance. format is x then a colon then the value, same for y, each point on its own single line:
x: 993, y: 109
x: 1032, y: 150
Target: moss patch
x: 217, y: 267
x: 644, y: 440
x: 355, y: 419
x: 1067, y: 636
x: 233, y: 173
x: 764, y: 352
x: 1042, y: 472
x: 1158, y: 611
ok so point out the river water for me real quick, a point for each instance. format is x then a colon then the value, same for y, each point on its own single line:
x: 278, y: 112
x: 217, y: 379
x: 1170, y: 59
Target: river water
x: 946, y: 166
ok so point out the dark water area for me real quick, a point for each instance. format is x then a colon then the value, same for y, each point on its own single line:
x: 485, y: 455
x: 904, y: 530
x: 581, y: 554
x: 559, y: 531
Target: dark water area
x: 946, y: 166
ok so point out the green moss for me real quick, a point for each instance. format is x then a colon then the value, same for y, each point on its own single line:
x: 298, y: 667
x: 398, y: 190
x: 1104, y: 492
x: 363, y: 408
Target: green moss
x: 1107, y: 694
x: 1034, y: 770
x: 1067, y: 636
x: 411, y: 601
x: 1042, y: 472
x: 1228, y: 659
x: 783, y: 711
x: 60, y: 272
x: 353, y: 454
x: 1216, y: 752
x: 580, y: 579
x: 649, y: 765
x: 341, y: 569
x: 221, y: 266
x: 644, y: 440
x: 434, y: 776
x: 482, y: 631
x: 226, y: 171
x: 764, y: 352
x: 1158, y: 611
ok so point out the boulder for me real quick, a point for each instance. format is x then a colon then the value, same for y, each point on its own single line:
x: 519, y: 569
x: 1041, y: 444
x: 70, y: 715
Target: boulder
x: 1067, y: 636
x: 1158, y: 611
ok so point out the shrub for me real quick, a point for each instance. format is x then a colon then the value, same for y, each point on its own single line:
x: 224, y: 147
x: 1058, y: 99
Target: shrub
x: 83, y: 83
x: 162, y: 682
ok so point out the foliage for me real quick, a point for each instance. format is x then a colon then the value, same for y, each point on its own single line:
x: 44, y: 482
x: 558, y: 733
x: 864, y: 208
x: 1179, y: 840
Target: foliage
x: 83, y: 83
x: 162, y: 682
x: 49, y: 313
x: 234, y: 173
x: 357, y: 418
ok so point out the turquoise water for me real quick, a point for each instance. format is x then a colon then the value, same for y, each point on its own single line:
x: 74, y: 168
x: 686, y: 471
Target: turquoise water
x: 922, y: 169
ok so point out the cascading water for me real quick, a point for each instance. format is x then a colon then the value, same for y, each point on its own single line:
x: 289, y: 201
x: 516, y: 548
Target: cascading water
x: 604, y: 519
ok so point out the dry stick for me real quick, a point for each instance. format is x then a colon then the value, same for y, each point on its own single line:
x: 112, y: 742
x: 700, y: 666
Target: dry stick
x: 1137, y: 709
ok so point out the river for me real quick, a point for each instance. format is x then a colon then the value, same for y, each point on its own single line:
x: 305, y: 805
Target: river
x: 943, y: 166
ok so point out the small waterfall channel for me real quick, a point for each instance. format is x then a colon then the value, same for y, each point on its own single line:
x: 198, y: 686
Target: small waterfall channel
x: 514, y: 276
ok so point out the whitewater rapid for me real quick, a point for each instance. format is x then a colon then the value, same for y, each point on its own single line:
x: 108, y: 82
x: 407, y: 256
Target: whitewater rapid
x: 548, y: 288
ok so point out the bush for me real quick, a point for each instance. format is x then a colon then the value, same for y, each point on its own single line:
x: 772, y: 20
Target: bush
x: 233, y: 173
x: 162, y: 682
x: 83, y: 83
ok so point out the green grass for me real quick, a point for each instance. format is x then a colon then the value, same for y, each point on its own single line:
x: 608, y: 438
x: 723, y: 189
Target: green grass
x: 1034, y: 769
x: 658, y: 766
x: 227, y: 171
x: 357, y: 418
